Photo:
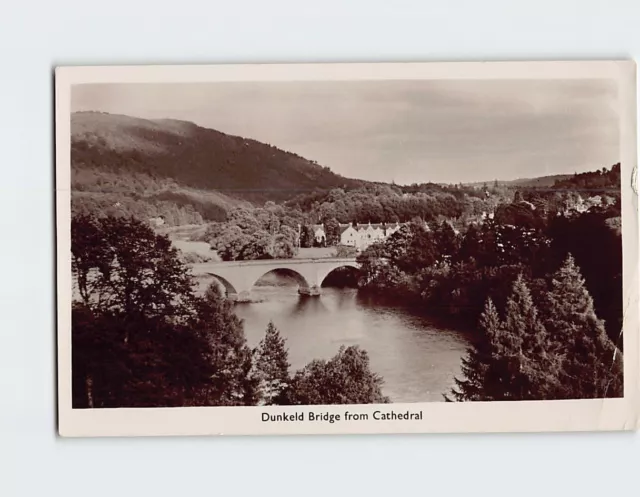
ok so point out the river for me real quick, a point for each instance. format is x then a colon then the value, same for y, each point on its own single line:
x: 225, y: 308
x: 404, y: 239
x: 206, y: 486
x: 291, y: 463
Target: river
x: 417, y: 358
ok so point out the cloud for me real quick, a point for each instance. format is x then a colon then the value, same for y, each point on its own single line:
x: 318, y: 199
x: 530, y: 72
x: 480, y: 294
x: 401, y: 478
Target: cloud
x: 406, y: 131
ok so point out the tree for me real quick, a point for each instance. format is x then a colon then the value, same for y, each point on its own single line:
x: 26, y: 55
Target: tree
x: 249, y: 234
x: 121, y: 265
x: 470, y: 245
x: 446, y: 240
x: 332, y: 231
x: 513, y: 359
x: 271, y: 363
x: 231, y: 382
x: 597, y: 250
x: 140, y: 337
x: 344, y: 379
x: 525, y: 345
x: 591, y: 364
x: 306, y: 236
x: 476, y: 364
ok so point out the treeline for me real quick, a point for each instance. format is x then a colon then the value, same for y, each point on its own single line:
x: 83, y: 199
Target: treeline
x: 141, y: 337
x: 96, y: 191
x: 390, y: 204
x: 118, y: 205
x: 378, y: 203
x: 601, y: 181
x: 599, y: 189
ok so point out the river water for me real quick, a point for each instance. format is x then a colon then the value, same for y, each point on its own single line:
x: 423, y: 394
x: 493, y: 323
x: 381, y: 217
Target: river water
x: 417, y: 358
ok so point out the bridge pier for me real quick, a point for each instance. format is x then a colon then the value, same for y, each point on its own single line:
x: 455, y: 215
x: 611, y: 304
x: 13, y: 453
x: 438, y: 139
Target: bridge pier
x: 311, y: 291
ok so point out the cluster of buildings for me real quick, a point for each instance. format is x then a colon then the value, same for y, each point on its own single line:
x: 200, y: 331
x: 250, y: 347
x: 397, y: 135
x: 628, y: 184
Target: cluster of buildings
x: 579, y: 204
x: 360, y: 236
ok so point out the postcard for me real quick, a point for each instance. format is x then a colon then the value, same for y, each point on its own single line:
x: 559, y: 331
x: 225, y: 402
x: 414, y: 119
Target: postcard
x: 347, y: 248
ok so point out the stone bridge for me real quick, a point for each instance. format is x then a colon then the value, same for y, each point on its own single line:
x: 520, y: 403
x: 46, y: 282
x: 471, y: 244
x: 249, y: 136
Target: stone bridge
x: 238, y: 277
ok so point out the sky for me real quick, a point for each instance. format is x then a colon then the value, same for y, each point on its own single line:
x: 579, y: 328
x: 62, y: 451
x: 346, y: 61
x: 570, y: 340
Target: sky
x: 444, y: 131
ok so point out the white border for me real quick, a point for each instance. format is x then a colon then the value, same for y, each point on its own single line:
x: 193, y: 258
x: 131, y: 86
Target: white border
x: 575, y: 415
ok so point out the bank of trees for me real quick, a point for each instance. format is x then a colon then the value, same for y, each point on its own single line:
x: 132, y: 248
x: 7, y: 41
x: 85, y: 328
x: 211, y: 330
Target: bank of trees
x: 390, y: 204
x: 555, y: 348
x: 549, y: 337
x: 141, y: 337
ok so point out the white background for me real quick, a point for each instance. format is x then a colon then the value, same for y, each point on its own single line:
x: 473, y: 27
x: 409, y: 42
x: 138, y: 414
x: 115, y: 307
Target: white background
x: 36, y: 36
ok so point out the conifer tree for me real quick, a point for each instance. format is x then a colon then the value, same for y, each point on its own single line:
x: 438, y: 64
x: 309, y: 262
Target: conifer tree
x: 524, y: 345
x: 271, y: 366
x: 514, y: 361
x: 591, y: 364
x: 477, y: 362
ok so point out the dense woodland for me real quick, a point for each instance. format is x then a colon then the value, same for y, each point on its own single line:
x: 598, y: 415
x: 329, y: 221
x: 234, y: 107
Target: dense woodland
x: 192, y: 157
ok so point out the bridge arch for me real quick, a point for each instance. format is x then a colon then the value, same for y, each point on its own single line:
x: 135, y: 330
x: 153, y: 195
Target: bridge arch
x: 291, y: 273
x: 229, y: 289
x: 352, y: 269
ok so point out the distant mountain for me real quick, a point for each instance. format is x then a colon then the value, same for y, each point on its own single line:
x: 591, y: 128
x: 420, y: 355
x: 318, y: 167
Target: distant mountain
x: 194, y: 157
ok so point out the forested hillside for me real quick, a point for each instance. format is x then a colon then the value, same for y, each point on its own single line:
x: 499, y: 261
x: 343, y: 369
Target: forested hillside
x: 180, y: 170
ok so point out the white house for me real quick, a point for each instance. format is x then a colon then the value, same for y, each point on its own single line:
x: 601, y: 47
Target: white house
x: 349, y: 235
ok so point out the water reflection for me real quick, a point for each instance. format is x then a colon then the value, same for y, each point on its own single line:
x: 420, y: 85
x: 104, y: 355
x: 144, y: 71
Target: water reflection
x: 307, y: 305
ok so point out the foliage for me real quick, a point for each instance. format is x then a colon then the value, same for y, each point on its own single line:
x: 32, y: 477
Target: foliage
x: 561, y: 353
x: 307, y: 238
x: 232, y: 382
x: 271, y: 365
x: 195, y: 157
x: 140, y: 337
x: 476, y: 364
x: 132, y: 361
x: 344, y: 379
x: 121, y: 266
x: 332, y: 231
x: 260, y: 233
x: 597, y: 249
x: 591, y: 364
x: 390, y: 204
x: 602, y: 180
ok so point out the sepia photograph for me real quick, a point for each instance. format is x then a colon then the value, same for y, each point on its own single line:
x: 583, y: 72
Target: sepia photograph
x: 413, y: 238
